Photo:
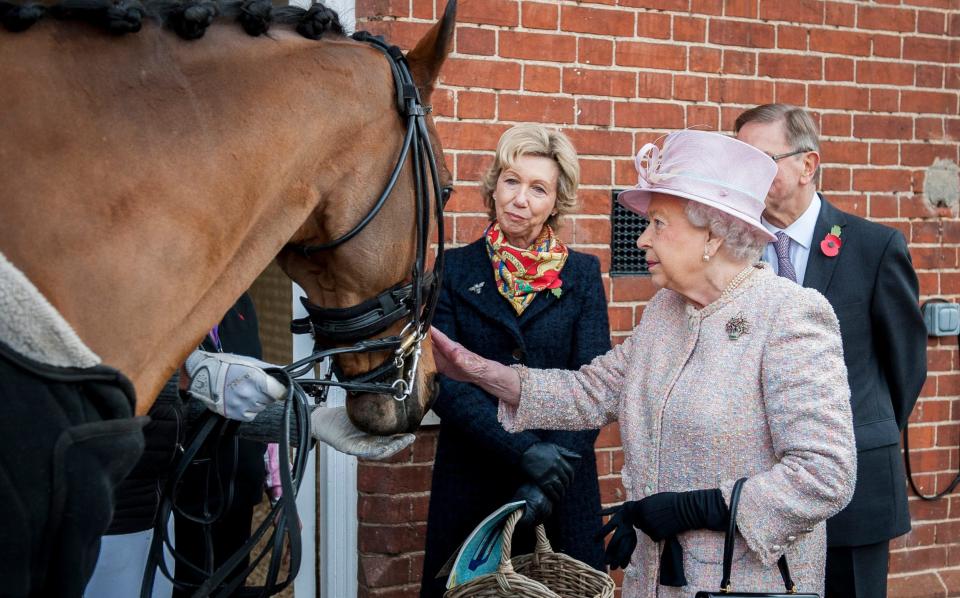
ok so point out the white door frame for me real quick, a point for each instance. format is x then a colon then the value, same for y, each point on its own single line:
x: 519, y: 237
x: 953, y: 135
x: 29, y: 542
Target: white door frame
x: 327, y: 504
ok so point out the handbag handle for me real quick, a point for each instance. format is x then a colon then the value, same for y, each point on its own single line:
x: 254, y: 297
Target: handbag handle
x: 728, y: 545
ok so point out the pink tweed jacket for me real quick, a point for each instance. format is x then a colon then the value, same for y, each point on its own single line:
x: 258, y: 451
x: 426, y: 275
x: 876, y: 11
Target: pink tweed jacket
x: 700, y: 409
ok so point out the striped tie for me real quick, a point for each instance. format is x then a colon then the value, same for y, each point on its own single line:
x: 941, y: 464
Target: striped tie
x: 784, y: 266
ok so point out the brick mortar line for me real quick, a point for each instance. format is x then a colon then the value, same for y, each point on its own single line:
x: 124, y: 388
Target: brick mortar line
x: 404, y: 496
x: 923, y: 571
x: 707, y: 78
x: 684, y: 104
x: 620, y: 68
x: 626, y: 68
x: 615, y: 40
x: 758, y: 19
x: 644, y: 10
x: 933, y: 522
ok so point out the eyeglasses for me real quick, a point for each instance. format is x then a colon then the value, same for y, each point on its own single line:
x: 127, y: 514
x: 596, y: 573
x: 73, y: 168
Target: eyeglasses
x: 778, y: 157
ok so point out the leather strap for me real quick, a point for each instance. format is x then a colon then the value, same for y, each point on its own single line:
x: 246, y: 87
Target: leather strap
x: 729, y: 541
x: 731, y: 534
x: 332, y: 326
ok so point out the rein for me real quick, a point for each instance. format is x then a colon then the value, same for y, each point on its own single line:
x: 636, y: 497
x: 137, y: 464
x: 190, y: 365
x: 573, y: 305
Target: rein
x: 282, y: 519
x: 415, y: 300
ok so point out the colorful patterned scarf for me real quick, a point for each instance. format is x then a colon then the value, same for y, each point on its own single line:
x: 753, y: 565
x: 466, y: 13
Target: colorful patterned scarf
x: 522, y: 273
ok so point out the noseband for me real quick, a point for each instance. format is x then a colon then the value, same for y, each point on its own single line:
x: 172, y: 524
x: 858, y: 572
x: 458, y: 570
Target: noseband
x: 414, y: 301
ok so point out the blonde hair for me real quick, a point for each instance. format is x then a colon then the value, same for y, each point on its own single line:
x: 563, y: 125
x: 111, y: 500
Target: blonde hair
x: 536, y: 140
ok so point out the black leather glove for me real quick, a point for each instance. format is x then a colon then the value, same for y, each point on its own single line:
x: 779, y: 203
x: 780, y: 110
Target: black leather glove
x: 550, y: 467
x: 660, y: 516
x: 538, y: 508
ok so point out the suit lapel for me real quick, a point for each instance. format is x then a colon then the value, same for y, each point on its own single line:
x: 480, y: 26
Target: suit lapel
x: 820, y: 267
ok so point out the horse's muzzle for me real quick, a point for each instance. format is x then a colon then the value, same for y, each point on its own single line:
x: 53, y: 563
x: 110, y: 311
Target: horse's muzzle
x: 383, y: 415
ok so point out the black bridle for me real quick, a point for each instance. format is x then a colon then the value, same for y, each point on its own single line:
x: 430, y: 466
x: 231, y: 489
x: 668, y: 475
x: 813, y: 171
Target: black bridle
x: 414, y: 301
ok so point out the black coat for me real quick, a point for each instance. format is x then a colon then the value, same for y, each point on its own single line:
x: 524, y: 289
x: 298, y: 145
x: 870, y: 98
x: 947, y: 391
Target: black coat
x: 477, y: 463
x: 874, y: 292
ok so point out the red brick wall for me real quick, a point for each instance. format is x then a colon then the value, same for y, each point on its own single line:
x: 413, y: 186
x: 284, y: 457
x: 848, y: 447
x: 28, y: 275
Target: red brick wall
x: 882, y: 79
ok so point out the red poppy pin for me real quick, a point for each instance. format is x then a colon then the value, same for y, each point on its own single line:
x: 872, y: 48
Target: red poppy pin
x: 830, y: 246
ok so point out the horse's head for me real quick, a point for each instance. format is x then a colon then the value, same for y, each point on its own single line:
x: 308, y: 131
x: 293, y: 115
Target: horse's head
x: 365, y: 264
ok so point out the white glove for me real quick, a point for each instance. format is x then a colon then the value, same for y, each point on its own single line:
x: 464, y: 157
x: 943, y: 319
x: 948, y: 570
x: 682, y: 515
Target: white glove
x: 332, y: 426
x: 234, y: 386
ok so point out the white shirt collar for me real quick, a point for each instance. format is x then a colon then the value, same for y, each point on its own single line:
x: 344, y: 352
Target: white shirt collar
x: 801, y: 230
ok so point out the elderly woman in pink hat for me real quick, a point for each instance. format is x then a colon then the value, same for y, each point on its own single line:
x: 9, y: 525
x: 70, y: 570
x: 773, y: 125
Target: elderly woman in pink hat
x: 733, y: 372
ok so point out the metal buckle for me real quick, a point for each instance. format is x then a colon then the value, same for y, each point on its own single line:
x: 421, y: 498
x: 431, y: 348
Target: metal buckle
x: 409, y: 345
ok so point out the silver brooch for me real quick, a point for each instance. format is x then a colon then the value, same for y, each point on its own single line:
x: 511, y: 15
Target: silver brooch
x: 477, y: 288
x: 737, y: 326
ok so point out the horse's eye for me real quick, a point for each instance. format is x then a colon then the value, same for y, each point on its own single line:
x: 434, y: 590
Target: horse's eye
x: 445, y: 195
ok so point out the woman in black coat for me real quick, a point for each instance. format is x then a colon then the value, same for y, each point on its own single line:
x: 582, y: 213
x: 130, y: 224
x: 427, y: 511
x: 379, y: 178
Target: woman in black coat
x: 519, y: 296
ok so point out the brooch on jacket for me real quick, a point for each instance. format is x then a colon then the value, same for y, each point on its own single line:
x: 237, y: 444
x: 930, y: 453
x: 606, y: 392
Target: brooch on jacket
x: 830, y: 246
x: 477, y: 288
x: 737, y: 326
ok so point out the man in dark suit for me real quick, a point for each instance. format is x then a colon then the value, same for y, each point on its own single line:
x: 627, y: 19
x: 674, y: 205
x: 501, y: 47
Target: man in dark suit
x: 864, y: 270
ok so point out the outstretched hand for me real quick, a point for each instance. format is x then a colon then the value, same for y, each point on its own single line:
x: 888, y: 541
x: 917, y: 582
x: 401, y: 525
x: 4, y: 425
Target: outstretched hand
x: 456, y: 361
x: 332, y: 426
x: 459, y: 363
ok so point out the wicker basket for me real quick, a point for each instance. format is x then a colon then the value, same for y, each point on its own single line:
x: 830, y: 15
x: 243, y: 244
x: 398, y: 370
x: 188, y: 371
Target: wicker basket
x: 543, y: 574
x: 562, y: 573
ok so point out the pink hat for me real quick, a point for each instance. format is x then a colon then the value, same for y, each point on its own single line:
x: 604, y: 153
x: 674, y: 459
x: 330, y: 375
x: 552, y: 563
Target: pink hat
x: 710, y: 168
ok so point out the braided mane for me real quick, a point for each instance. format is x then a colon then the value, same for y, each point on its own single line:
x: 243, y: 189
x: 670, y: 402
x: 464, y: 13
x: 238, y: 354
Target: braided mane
x: 188, y: 18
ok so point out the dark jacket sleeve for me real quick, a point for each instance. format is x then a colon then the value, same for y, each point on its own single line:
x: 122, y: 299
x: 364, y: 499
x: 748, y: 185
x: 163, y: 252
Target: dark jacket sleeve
x: 900, y: 333
x: 469, y: 409
x: 591, y: 336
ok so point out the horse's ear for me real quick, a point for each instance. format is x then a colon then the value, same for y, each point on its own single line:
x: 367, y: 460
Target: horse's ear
x: 426, y: 59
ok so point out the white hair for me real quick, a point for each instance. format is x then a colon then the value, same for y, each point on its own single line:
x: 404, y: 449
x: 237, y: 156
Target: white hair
x: 743, y: 241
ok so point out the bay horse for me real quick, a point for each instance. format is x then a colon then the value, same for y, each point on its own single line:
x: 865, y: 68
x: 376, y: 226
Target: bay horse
x: 148, y: 181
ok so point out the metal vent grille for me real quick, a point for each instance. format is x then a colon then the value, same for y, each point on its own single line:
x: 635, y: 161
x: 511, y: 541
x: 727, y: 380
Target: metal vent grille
x: 626, y: 258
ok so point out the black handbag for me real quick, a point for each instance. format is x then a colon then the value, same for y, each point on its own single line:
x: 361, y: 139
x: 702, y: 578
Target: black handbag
x: 725, y: 591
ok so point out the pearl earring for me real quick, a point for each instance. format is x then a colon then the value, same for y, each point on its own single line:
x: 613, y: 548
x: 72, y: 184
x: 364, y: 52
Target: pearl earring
x: 706, y: 256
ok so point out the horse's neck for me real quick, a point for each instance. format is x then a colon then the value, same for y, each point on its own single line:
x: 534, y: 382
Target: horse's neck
x: 152, y: 180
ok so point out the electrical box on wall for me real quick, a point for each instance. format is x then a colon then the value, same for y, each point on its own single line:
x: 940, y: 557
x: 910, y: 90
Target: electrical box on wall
x: 941, y: 318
